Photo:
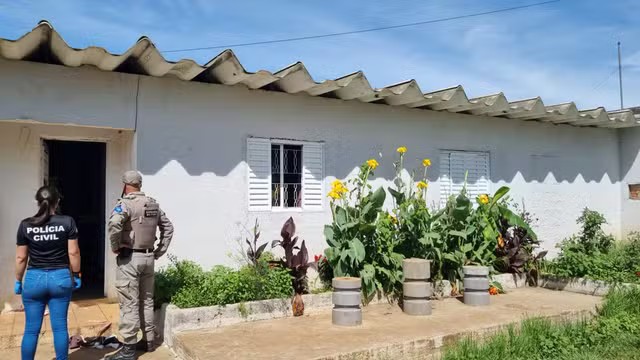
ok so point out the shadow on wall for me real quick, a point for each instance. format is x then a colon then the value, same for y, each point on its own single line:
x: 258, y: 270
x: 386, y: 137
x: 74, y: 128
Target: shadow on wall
x: 204, y: 128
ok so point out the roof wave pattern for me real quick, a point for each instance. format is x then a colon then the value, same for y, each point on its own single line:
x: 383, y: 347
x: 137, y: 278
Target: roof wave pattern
x: 44, y: 44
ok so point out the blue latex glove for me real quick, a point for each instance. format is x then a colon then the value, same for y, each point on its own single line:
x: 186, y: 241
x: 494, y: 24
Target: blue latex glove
x: 77, y: 282
x: 17, y: 287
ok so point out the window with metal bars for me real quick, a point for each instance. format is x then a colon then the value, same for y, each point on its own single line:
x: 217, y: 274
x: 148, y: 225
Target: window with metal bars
x: 286, y: 175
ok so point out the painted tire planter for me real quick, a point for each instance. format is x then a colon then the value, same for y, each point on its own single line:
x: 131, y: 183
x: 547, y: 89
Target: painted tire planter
x: 476, y: 285
x: 346, y: 298
x: 416, y: 289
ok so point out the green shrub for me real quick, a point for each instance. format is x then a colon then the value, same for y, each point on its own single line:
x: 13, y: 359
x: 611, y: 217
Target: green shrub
x: 177, y: 275
x: 187, y: 285
x: 595, y: 255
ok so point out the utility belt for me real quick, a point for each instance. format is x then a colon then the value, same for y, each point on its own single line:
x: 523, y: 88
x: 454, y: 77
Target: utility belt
x: 126, y: 252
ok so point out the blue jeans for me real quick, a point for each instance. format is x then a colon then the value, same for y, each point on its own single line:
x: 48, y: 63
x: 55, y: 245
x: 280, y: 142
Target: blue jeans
x: 46, y: 287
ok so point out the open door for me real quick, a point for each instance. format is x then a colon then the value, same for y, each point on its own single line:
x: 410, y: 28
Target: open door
x: 77, y: 169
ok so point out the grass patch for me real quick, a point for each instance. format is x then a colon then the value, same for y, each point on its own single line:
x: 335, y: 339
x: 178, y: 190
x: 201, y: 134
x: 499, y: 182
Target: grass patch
x: 614, y: 333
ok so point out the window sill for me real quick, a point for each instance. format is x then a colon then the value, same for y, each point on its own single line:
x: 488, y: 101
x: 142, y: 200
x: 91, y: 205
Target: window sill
x: 286, y: 210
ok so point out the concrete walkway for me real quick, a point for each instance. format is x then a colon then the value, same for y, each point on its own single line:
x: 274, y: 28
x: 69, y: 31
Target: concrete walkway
x: 386, y: 332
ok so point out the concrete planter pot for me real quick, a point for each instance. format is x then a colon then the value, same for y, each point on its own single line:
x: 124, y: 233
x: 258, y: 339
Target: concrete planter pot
x: 476, y: 285
x: 416, y: 289
x: 346, y: 298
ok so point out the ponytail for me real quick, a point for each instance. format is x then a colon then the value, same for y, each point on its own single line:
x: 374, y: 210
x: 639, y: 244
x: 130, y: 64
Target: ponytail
x: 47, y: 198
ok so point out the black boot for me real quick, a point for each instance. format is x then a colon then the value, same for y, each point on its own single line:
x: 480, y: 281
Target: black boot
x: 126, y: 352
x: 145, y: 346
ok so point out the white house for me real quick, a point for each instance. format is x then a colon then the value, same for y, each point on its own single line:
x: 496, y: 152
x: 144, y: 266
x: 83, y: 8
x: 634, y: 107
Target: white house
x: 219, y: 146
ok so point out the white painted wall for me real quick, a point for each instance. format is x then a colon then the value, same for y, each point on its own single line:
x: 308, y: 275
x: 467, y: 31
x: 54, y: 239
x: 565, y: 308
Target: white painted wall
x: 54, y: 94
x: 630, y: 174
x: 21, y: 176
x: 191, y: 147
x: 191, y: 138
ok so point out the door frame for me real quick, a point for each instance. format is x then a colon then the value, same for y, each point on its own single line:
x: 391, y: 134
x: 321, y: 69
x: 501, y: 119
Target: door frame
x: 119, y: 157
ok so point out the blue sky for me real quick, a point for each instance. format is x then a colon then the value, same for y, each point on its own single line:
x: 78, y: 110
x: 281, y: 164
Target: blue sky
x: 562, y: 52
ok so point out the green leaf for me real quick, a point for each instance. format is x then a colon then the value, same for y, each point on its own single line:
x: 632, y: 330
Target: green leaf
x: 458, y: 234
x: 329, y: 235
x: 398, y: 196
x: 450, y: 257
x: 470, y: 230
x: 378, y: 197
x: 350, y: 225
x: 426, y: 241
x: 341, y: 216
x: 358, y: 248
x: 499, y: 195
x: 432, y: 235
x: 330, y: 253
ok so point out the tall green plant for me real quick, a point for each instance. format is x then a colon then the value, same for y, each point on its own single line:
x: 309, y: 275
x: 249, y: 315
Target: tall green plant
x: 358, y: 245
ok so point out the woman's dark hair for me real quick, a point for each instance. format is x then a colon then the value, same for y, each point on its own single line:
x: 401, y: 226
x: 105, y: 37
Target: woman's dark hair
x: 47, y: 198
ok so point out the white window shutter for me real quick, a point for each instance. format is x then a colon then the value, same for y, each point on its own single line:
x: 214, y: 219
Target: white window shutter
x: 312, y: 176
x: 445, y: 179
x: 455, y: 164
x: 259, y: 174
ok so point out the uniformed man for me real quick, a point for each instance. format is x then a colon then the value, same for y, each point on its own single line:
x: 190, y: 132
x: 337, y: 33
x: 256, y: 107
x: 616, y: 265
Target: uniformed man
x: 132, y: 233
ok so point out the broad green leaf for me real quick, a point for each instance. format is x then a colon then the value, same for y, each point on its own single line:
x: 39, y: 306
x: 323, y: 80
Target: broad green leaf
x: 458, y: 234
x: 358, y: 249
x: 432, y: 235
x: 426, y: 241
x: 399, y: 197
x: 350, y: 225
x: 330, y: 236
x: 341, y: 216
x: 499, y: 195
x: 330, y: 254
x: 378, y: 197
x: 466, y: 248
x: 450, y: 257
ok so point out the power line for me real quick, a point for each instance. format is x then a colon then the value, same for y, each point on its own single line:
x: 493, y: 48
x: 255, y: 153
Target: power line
x: 605, y: 80
x: 364, y: 30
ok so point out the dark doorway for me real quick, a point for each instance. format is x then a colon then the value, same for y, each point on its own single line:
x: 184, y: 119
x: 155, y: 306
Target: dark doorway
x: 77, y: 169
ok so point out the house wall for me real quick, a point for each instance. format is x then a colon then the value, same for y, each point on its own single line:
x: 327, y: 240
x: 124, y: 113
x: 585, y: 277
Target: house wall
x: 190, y: 144
x: 630, y: 174
x: 191, y: 147
x: 21, y: 176
x: 58, y: 95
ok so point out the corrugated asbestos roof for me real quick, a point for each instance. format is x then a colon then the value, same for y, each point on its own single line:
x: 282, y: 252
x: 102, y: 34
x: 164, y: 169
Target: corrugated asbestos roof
x: 43, y: 44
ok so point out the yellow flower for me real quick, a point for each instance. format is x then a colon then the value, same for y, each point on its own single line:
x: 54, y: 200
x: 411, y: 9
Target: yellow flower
x: 334, y: 195
x: 401, y: 149
x: 393, y: 219
x: 500, y: 241
x: 372, y: 164
x: 483, y: 199
x: 337, y: 190
x: 426, y: 162
x: 422, y: 185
